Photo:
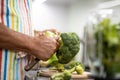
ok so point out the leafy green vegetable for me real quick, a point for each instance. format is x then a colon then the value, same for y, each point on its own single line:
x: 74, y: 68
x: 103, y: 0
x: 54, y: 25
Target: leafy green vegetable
x: 107, y: 36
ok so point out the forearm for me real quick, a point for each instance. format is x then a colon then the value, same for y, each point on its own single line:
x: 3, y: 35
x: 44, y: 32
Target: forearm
x: 41, y: 46
x: 13, y: 40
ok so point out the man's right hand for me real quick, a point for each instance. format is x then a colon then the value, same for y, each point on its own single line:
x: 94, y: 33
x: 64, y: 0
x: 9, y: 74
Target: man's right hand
x: 44, y: 47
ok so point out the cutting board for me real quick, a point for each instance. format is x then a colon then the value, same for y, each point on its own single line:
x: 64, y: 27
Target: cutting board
x: 48, y: 73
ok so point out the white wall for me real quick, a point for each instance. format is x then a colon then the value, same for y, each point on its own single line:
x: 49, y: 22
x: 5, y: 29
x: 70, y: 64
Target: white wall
x: 49, y: 15
x: 79, y: 12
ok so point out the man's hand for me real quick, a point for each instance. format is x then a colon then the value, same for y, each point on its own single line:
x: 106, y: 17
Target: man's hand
x: 45, y: 46
x: 40, y: 46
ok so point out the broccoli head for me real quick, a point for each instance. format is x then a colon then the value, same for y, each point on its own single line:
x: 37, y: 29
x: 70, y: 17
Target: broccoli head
x: 69, y: 47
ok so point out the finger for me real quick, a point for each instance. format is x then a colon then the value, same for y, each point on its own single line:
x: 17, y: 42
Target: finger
x: 41, y: 34
x: 58, y: 45
x: 52, y: 30
x: 57, y: 38
x: 55, y: 31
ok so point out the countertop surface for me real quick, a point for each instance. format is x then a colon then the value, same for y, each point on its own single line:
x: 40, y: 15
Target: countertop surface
x: 32, y: 75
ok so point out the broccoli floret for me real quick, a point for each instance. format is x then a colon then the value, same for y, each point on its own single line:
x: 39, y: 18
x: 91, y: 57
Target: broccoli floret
x: 66, y: 75
x: 79, y: 70
x: 61, y: 76
x: 79, y: 67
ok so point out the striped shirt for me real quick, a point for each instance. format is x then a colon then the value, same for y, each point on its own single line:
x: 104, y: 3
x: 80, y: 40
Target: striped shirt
x: 15, y: 14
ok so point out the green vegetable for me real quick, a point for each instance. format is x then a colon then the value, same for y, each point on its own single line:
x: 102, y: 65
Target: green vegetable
x: 66, y: 75
x: 79, y: 68
x: 69, y: 47
x: 107, y: 36
x: 52, y: 61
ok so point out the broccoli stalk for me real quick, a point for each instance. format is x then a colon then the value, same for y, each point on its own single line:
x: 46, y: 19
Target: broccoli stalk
x: 50, y: 61
x: 66, y: 75
x: 53, y: 62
